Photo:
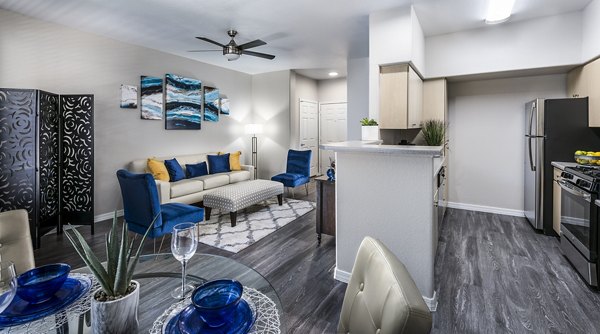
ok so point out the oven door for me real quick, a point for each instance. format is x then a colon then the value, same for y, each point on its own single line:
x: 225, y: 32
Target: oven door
x: 575, y: 218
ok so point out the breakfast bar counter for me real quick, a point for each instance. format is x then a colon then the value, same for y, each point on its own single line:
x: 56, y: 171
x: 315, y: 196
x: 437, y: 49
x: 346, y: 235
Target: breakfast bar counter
x: 387, y: 192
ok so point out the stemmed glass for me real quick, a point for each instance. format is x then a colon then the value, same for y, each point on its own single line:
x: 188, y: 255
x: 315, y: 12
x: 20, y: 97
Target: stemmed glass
x: 8, y: 284
x: 183, y: 247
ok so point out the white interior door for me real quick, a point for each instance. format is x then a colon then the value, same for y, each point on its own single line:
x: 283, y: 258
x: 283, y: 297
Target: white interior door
x: 332, y: 128
x: 309, y: 132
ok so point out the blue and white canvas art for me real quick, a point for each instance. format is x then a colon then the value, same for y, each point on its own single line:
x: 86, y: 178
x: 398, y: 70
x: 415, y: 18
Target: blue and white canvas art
x: 184, y: 103
x: 128, y: 97
x: 211, y: 104
x: 224, y: 106
x: 152, y: 98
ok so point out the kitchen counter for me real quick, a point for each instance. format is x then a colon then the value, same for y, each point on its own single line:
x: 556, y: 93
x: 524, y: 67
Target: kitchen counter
x: 370, y: 147
x: 561, y: 165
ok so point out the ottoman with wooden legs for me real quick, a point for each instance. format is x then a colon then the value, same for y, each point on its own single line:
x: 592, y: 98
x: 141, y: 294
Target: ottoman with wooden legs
x: 241, y: 195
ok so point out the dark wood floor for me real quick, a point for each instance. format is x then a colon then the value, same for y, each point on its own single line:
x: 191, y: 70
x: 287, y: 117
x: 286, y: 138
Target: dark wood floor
x: 493, y: 275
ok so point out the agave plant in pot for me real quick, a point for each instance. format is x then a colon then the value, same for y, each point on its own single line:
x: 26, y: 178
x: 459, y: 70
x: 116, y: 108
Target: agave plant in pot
x: 369, y: 129
x: 115, y: 304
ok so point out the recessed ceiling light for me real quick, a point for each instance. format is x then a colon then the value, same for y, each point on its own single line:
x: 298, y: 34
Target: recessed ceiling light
x: 499, y: 11
x: 333, y: 74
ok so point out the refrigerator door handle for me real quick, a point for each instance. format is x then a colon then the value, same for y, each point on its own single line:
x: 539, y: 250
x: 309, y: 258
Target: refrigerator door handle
x: 531, y: 156
x: 531, y: 120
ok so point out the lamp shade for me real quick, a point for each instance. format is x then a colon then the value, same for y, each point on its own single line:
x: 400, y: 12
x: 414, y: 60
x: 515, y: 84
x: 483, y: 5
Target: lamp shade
x: 253, y: 129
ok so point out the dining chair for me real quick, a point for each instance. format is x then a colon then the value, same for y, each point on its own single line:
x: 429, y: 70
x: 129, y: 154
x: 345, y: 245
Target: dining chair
x: 381, y: 296
x: 15, y: 238
x: 297, y: 170
x: 141, y: 205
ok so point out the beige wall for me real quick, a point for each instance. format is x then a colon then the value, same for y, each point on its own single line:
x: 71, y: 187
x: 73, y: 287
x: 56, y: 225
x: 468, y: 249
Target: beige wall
x: 37, y: 54
x: 332, y: 90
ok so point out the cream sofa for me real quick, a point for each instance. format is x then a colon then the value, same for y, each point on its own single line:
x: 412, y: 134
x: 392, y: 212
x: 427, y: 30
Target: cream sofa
x: 192, y: 190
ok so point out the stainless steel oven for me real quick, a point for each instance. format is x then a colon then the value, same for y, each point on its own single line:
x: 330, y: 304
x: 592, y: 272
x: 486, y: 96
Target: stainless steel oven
x: 579, y: 225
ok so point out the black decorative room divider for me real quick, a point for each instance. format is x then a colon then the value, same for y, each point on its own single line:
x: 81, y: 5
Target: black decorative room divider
x: 38, y: 172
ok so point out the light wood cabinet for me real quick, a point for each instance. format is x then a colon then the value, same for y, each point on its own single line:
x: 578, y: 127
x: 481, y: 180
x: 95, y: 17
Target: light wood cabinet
x: 584, y: 81
x: 400, y: 97
x: 556, y: 201
x: 435, y: 105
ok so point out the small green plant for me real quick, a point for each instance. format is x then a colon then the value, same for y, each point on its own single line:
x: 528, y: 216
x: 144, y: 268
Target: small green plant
x: 433, y: 132
x: 368, y: 122
x: 115, y: 279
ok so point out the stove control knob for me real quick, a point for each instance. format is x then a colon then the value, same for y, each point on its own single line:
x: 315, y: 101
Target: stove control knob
x: 583, y: 183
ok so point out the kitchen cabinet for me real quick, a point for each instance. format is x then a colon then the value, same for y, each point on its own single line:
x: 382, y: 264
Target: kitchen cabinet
x: 584, y: 81
x: 400, y: 97
x: 435, y: 105
x: 556, y: 201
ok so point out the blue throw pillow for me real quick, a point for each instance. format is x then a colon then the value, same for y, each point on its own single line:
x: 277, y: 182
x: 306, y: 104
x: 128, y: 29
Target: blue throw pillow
x: 218, y: 163
x: 175, y: 171
x: 196, y: 170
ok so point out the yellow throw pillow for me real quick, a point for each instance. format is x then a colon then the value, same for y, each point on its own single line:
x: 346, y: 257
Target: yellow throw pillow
x: 158, y: 170
x: 234, y: 160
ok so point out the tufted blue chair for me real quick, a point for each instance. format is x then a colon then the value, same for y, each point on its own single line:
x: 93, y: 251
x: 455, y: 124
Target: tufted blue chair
x: 381, y: 297
x: 141, y: 205
x: 297, y: 171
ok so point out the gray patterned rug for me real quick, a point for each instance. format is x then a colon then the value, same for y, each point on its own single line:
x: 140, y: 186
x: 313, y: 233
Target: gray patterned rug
x: 253, y: 223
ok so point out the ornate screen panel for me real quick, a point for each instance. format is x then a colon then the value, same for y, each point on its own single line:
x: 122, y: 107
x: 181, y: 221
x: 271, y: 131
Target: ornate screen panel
x: 77, y: 138
x: 48, y: 159
x: 17, y: 151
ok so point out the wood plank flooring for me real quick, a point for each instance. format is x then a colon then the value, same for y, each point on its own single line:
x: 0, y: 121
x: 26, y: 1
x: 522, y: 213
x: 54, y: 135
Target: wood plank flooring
x: 494, y: 274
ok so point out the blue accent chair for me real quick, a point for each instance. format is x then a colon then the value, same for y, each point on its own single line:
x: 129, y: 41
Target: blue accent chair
x: 141, y: 205
x: 297, y: 171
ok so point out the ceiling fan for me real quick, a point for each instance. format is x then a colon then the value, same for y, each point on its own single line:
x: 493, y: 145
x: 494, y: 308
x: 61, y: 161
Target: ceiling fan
x: 232, y: 51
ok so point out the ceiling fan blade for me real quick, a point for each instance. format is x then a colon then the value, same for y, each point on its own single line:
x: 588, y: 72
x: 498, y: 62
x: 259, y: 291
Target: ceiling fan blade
x: 252, y: 44
x: 204, y: 50
x: 211, y: 41
x: 258, y: 54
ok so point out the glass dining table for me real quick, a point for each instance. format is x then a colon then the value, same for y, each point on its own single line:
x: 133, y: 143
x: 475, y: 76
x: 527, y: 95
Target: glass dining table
x: 160, y: 274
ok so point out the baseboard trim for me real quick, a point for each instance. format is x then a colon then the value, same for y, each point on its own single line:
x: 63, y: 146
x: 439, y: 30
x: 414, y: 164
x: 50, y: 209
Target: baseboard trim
x: 107, y: 216
x: 488, y: 209
x: 344, y: 276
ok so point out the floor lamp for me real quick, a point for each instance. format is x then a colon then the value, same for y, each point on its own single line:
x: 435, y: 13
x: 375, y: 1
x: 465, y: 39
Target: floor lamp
x: 254, y: 129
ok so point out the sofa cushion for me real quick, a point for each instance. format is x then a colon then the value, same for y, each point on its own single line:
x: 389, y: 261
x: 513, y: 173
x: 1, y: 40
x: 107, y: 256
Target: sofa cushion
x: 213, y: 180
x: 239, y: 176
x: 218, y: 163
x: 176, y: 173
x: 186, y: 187
x: 195, y: 170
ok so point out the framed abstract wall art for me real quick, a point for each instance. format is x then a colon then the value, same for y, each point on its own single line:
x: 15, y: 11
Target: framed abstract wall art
x: 224, y: 106
x: 183, y: 103
x: 152, y: 98
x: 129, y: 96
x: 211, y: 104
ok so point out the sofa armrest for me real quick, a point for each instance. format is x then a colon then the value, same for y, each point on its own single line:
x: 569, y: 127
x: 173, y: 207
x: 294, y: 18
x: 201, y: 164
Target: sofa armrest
x: 164, y: 191
x: 249, y: 168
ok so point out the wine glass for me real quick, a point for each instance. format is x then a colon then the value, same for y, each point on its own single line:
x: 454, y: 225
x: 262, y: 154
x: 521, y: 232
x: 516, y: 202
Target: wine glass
x: 8, y: 284
x: 183, y: 247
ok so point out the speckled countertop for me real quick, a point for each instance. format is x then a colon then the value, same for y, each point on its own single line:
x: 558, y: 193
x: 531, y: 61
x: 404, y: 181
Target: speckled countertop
x: 369, y: 147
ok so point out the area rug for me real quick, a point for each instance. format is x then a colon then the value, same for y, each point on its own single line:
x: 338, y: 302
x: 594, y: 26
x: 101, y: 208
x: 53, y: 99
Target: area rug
x: 253, y: 223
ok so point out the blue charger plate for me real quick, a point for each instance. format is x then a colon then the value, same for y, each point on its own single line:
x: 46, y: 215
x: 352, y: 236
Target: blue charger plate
x: 189, y: 322
x: 20, y: 311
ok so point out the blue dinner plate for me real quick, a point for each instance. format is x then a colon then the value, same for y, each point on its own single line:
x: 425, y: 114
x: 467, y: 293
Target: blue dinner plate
x: 20, y: 311
x: 189, y: 322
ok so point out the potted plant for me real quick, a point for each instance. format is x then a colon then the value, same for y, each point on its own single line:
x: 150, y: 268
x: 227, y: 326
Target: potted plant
x: 370, y: 129
x: 115, y: 304
x: 433, y: 132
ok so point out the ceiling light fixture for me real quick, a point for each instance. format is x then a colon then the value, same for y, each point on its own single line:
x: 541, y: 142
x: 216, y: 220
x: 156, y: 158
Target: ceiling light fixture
x: 499, y: 11
x: 333, y: 74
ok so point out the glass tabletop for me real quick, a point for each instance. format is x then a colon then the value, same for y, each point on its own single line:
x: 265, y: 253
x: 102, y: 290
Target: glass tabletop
x: 160, y: 274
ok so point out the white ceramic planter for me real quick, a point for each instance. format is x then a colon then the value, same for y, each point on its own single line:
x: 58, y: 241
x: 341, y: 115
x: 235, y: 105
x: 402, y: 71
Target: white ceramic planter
x: 370, y: 132
x: 118, y: 316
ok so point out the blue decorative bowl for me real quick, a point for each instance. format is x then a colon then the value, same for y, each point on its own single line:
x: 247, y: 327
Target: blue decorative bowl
x: 216, y: 301
x: 40, y: 284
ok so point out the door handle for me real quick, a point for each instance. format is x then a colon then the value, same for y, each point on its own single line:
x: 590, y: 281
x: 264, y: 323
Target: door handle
x: 570, y: 189
x: 531, y: 156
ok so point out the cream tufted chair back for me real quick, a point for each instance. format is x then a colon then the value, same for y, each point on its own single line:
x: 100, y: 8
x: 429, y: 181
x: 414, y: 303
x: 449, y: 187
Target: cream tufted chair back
x: 16, y: 240
x: 381, y: 297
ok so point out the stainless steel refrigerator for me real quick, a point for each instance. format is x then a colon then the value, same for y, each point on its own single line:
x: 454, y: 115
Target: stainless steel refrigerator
x: 554, y: 130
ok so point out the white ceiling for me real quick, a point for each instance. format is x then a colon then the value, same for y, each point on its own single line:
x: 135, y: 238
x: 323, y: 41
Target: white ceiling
x: 307, y: 34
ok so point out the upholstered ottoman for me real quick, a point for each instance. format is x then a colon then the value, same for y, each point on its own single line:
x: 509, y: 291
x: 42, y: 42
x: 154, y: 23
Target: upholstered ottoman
x: 241, y: 195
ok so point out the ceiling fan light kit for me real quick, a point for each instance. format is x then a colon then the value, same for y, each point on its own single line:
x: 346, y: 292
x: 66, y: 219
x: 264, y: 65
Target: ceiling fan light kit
x: 232, y: 51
